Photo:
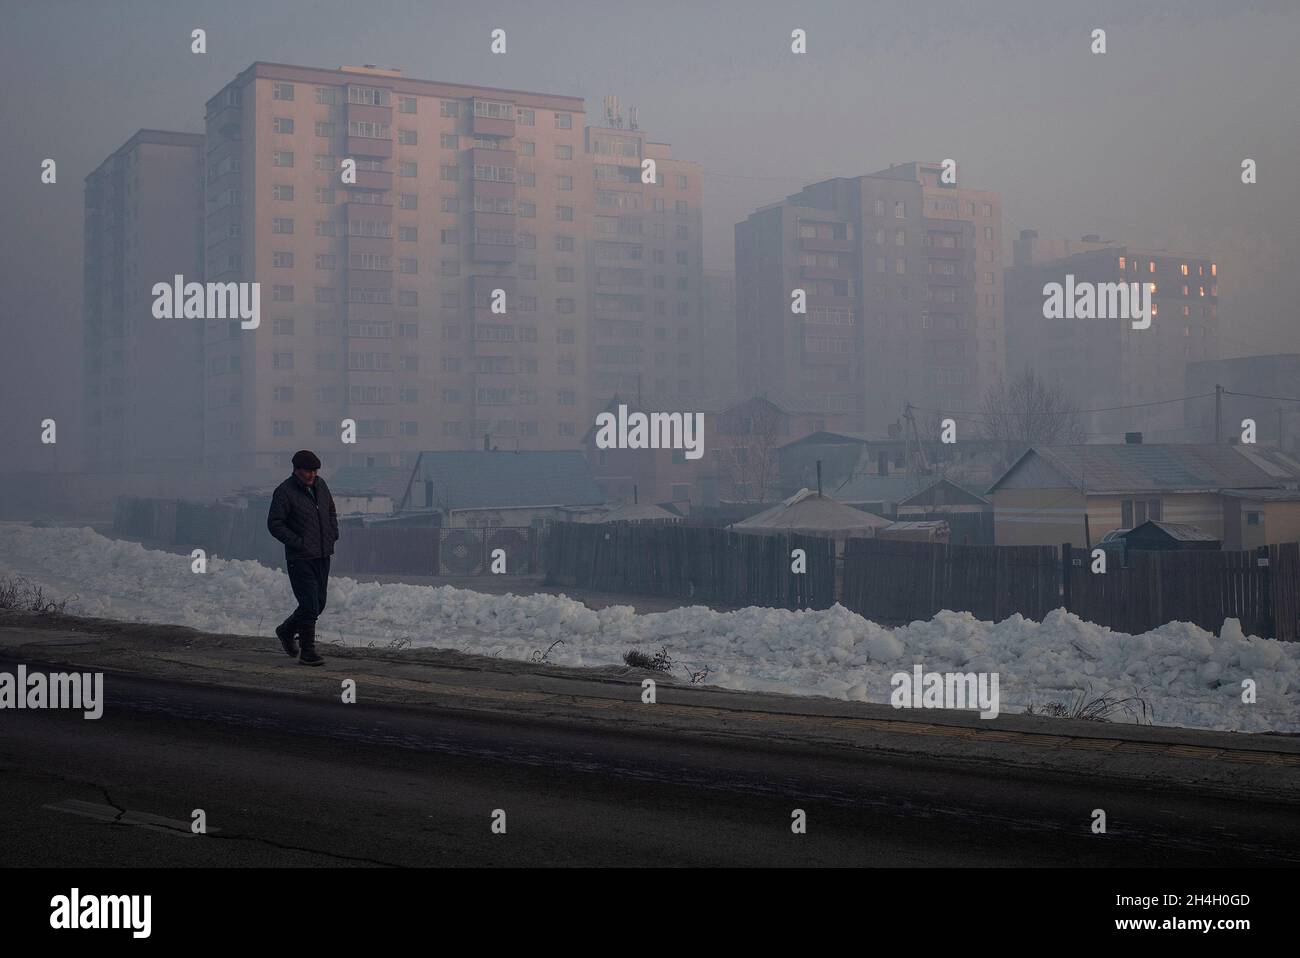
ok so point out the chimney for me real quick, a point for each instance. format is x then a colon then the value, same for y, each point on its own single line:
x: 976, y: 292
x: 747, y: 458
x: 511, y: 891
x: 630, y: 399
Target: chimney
x: 1133, y: 438
x: 882, y: 463
x: 819, y: 477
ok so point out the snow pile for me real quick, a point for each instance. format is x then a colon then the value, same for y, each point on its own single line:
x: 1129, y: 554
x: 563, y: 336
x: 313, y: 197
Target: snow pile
x: 1187, y: 676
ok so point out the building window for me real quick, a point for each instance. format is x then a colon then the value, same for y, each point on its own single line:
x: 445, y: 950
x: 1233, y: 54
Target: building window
x: 408, y: 137
x: 282, y: 192
x: 563, y: 121
x: 282, y: 225
x: 282, y: 259
x: 284, y: 124
x: 282, y: 91
x: 406, y: 104
x: 563, y: 151
x: 282, y: 158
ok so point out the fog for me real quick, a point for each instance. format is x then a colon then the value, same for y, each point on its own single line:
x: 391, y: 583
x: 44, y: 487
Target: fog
x: 1142, y: 144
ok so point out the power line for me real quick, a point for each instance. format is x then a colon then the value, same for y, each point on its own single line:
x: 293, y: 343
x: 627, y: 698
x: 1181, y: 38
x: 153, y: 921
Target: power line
x: 1228, y: 392
x: 957, y: 413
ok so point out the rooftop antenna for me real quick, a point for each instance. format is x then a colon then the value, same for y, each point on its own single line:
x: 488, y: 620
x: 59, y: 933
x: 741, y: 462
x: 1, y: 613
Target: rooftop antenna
x: 631, y: 118
x: 613, y: 112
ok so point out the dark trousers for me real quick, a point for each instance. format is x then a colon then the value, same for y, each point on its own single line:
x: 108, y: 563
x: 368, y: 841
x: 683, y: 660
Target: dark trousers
x: 310, y: 579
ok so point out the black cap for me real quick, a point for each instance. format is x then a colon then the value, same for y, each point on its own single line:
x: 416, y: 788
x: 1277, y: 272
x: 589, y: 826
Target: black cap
x: 305, y: 459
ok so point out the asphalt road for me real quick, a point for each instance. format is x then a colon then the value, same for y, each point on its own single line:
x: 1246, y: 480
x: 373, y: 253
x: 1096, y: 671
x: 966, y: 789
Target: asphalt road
x: 300, y: 781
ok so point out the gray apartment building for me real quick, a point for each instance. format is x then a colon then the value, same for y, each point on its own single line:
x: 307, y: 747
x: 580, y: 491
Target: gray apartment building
x: 903, y: 284
x: 142, y: 383
x: 1102, y: 363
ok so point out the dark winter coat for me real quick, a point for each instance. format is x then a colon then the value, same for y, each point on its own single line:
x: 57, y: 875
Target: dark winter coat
x: 308, y: 528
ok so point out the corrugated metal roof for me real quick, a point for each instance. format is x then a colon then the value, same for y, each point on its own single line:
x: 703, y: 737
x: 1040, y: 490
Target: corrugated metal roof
x: 1264, y: 495
x: 369, y: 481
x: 484, y: 480
x: 1140, y: 467
x: 1181, y: 531
x: 811, y: 514
x: 879, y: 488
x: 1273, y: 461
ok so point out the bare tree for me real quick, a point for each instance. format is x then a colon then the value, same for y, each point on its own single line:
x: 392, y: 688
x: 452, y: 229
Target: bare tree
x: 1029, y: 411
x: 751, y: 465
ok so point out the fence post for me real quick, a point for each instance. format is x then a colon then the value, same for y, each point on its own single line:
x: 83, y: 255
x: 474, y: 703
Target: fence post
x: 1066, y: 559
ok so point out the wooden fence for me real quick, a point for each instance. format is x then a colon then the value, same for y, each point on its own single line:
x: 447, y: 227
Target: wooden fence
x: 698, y: 563
x: 887, y: 581
x: 892, y: 582
x: 1258, y: 587
x: 236, y: 533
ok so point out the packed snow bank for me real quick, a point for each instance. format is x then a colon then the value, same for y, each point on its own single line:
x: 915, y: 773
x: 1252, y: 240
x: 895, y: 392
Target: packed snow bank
x: 1187, y: 676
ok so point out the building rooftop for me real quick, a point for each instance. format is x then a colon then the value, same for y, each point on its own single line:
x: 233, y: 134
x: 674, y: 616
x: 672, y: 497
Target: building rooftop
x: 1141, y: 467
x: 496, y: 479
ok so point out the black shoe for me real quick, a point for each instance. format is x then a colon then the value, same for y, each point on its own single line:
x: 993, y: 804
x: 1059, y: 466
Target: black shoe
x: 309, y: 656
x: 286, y: 637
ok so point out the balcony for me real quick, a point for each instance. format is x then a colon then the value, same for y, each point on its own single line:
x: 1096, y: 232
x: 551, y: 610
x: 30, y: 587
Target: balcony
x: 369, y: 146
x: 846, y: 301
x: 484, y: 125
x: 826, y: 272
x: 373, y: 180
x: 818, y: 245
x: 491, y: 253
x: 946, y: 252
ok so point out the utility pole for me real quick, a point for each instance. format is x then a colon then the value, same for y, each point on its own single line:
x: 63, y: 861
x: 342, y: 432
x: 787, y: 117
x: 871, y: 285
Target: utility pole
x: 1218, y: 413
x: 922, y: 466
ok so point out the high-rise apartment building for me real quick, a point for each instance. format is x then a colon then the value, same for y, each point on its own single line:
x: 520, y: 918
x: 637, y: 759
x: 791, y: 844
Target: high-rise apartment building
x: 645, y: 270
x: 494, y: 269
x: 143, y: 395
x: 718, y: 318
x: 1104, y: 363
x: 903, y: 296
x: 380, y: 300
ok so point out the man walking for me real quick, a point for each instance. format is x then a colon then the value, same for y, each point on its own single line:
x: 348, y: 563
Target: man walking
x: 302, y: 516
